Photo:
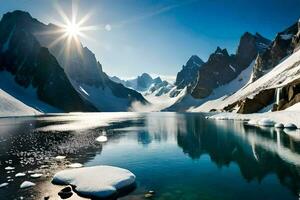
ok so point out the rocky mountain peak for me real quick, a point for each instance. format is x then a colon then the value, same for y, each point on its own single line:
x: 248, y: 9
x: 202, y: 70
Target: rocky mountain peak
x: 189, y: 71
x: 194, y: 61
x: 285, y: 43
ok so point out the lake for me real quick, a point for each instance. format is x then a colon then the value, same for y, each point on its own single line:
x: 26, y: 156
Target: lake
x: 177, y: 155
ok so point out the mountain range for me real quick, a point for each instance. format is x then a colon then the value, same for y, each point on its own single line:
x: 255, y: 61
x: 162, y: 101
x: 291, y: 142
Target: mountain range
x: 41, y: 74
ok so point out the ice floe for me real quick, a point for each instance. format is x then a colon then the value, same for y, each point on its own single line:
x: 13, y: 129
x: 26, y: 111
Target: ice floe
x: 102, y: 138
x: 20, y: 174
x: 3, y: 185
x: 98, y: 181
x: 75, y: 165
x: 27, y: 184
x: 36, y: 175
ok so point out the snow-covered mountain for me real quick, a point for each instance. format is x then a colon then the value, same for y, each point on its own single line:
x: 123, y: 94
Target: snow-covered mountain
x: 33, y: 68
x: 275, y: 88
x: 188, y: 74
x: 70, y: 79
x: 223, y: 74
x: 141, y: 83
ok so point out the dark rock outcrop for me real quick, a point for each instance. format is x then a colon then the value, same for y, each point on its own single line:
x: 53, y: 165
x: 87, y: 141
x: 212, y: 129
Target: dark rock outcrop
x: 284, y: 44
x: 221, y: 67
x: 260, y: 101
x: 188, y: 75
x: 290, y: 95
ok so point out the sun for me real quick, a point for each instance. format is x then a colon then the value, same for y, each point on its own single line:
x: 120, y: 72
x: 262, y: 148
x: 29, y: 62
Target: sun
x: 73, y: 30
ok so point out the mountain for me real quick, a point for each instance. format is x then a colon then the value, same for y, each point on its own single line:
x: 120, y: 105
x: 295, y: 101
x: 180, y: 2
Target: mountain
x: 69, y: 77
x: 188, y: 74
x: 141, y: 83
x: 221, y: 68
x: 276, y: 88
x: 284, y: 44
x: 222, y: 73
x: 33, y: 67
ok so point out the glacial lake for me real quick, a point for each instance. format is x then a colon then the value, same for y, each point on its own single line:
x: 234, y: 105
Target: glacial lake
x: 177, y: 155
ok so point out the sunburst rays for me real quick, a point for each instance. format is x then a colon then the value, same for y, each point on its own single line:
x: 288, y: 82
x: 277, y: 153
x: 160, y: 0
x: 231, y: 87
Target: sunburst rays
x: 67, y: 32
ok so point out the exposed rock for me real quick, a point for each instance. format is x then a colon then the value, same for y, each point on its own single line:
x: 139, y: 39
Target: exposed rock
x: 285, y: 43
x: 188, y: 75
x: 221, y: 67
x: 65, y: 193
x: 260, y: 100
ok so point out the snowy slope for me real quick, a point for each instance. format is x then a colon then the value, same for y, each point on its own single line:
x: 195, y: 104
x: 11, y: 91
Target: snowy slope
x: 26, y: 95
x: 285, y: 72
x: 9, y: 106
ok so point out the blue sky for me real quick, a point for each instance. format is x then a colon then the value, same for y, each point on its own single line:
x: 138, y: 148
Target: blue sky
x: 158, y: 36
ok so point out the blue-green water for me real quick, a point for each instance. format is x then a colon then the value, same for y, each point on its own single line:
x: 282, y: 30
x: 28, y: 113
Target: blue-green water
x: 179, y: 156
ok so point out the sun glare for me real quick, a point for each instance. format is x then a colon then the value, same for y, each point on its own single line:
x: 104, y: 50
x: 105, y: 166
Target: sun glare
x: 73, y: 30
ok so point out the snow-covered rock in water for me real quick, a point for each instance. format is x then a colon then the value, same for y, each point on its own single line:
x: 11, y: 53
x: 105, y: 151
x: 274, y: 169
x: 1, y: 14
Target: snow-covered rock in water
x: 102, y: 138
x: 20, y: 174
x: 9, y: 168
x: 36, y: 175
x: 252, y: 122
x: 27, y: 184
x: 279, y: 125
x: 98, y: 181
x: 290, y: 126
x: 266, y: 122
x: 75, y: 165
x: 3, y: 185
x: 60, y: 157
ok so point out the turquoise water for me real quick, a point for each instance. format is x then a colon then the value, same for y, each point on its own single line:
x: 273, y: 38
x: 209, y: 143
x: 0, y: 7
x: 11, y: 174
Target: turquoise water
x: 179, y: 156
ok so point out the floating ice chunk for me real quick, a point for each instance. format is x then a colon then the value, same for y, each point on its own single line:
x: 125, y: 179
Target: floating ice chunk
x: 75, y: 165
x: 252, y: 122
x: 27, y: 184
x: 60, y: 157
x: 102, y: 138
x: 30, y: 172
x: 266, y: 122
x: 9, y: 168
x: 3, y: 185
x: 20, y: 174
x: 290, y: 126
x: 279, y: 125
x: 36, y: 175
x: 98, y: 181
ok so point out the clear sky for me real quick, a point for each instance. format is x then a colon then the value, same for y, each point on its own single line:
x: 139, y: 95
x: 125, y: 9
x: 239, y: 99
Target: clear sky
x: 158, y: 36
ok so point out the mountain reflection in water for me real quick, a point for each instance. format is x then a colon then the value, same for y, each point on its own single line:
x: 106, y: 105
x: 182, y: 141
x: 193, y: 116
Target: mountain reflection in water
x: 180, y: 156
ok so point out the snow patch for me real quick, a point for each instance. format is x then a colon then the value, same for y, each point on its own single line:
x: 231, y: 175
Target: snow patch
x: 98, y: 181
x: 27, y: 184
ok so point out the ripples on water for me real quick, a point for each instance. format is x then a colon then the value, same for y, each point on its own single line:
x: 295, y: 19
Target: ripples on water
x: 179, y: 156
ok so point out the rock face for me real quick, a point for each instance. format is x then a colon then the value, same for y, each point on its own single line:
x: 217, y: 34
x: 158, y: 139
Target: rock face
x: 188, y: 75
x: 221, y: 67
x: 285, y: 43
x: 260, y: 101
x: 290, y: 95
x: 33, y: 65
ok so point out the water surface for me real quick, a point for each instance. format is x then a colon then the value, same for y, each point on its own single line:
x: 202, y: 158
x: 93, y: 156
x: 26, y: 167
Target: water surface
x: 179, y: 156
